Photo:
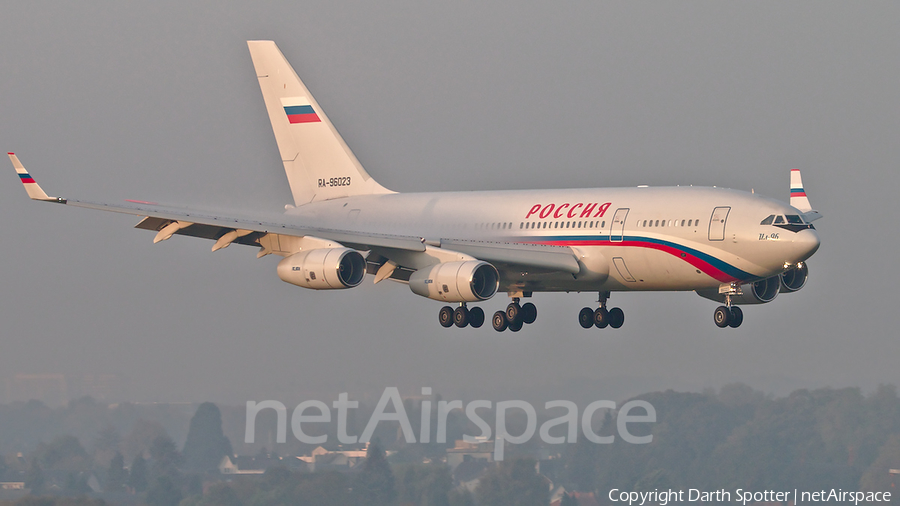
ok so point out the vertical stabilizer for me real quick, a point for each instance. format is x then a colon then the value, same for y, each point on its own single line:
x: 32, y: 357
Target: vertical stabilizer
x: 318, y: 163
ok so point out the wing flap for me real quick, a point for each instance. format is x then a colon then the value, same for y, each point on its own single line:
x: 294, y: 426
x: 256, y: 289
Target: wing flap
x: 262, y: 224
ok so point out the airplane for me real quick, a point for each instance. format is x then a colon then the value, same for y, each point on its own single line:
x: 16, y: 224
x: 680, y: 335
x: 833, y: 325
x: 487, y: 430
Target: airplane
x: 463, y: 247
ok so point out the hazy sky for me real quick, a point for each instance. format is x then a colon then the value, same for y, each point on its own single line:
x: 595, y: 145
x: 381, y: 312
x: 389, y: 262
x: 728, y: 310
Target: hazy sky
x: 158, y: 101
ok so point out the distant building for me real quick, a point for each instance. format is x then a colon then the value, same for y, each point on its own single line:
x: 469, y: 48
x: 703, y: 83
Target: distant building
x: 58, y: 389
x: 102, y: 387
x: 51, y: 389
x: 231, y: 465
x: 13, y: 490
x: 323, y: 458
x: 462, y: 451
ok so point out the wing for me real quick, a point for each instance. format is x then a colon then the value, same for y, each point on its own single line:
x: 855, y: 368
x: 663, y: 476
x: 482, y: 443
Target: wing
x: 271, y: 233
x: 258, y: 229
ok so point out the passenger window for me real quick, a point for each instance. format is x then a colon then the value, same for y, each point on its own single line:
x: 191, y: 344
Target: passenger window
x: 603, y: 224
x: 768, y: 220
x: 682, y: 223
x: 793, y: 219
x: 779, y: 220
x: 657, y: 223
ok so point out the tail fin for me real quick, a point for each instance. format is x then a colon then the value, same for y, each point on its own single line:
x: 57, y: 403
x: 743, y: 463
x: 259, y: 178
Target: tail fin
x: 798, y: 194
x: 318, y: 163
x: 799, y: 200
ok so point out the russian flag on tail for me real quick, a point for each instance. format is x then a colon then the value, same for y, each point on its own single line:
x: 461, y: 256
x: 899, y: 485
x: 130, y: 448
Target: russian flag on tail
x: 798, y: 194
x: 299, y: 110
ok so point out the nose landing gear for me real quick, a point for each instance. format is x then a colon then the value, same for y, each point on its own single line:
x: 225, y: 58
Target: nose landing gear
x: 601, y: 317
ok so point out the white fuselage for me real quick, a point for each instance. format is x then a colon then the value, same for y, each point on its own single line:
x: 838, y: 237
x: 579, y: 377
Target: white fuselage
x: 672, y: 238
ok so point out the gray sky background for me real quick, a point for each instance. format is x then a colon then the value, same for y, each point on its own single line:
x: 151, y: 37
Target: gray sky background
x: 158, y: 101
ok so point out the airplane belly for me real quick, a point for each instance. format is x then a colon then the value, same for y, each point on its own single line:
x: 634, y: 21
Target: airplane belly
x: 630, y: 269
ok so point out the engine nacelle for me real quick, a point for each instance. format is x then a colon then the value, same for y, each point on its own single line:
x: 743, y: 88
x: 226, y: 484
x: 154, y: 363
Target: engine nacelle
x: 469, y: 281
x: 758, y: 292
x: 324, y: 268
x: 794, y: 278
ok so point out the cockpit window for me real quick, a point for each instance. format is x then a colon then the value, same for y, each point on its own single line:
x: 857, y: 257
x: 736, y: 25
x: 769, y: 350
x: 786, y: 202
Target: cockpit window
x: 779, y: 220
x: 794, y: 219
x: 768, y: 220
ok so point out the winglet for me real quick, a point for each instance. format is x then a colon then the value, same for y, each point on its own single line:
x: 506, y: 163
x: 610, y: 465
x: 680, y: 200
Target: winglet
x: 34, y: 190
x: 799, y: 200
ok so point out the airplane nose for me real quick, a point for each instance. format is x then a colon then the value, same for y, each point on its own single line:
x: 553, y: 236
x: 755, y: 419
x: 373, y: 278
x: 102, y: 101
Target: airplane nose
x: 805, y: 243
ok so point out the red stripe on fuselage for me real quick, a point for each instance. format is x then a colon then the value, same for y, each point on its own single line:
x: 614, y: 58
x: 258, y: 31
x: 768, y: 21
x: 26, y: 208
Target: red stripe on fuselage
x: 27, y: 180
x: 704, y: 267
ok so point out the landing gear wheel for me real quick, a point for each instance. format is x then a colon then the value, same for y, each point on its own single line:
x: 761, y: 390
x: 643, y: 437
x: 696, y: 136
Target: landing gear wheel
x: 601, y: 318
x: 476, y: 317
x: 514, y: 312
x: 737, y: 317
x: 516, y: 326
x: 722, y: 317
x: 445, y: 316
x: 499, y: 321
x: 461, y: 317
x: 586, y: 318
x: 529, y: 313
x: 616, y: 317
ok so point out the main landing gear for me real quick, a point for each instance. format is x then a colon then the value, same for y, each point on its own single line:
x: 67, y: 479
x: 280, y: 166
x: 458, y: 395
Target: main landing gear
x: 728, y: 315
x: 461, y: 316
x: 601, y: 317
x: 515, y: 316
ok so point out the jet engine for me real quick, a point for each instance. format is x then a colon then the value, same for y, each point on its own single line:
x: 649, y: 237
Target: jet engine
x: 758, y: 292
x: 468, y: 281
x: 324, y: 268
x: 794, y: 278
